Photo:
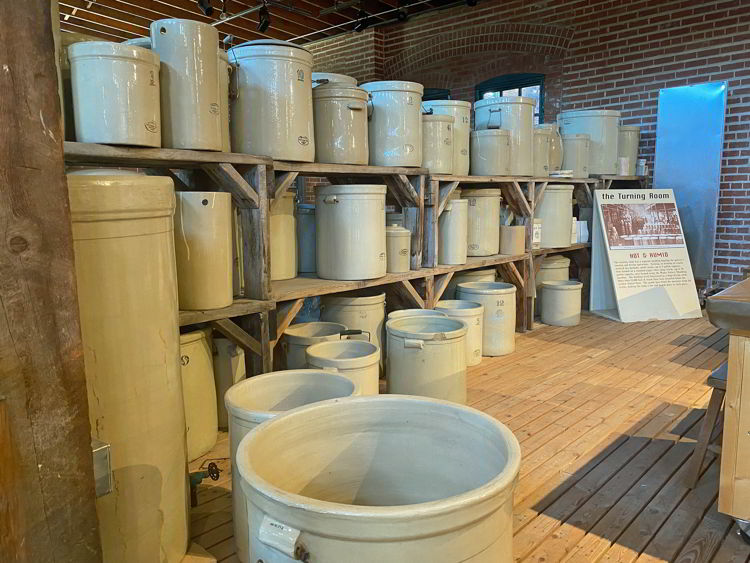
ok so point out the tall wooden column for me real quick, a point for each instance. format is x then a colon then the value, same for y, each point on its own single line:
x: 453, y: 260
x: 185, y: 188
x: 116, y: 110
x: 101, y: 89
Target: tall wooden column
x: 50, y: 507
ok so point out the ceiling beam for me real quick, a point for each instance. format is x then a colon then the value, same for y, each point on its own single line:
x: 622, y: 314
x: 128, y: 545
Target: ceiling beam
x: 74, y: 15
x: 155, y: 10
x: 91, y: 28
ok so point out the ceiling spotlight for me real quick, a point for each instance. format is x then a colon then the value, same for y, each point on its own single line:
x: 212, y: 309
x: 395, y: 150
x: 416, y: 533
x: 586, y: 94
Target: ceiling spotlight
x: 401, y: 14
x: 223, y: 15
x: 264, y: 18
x: 362, y: 21
x: 205, y: 6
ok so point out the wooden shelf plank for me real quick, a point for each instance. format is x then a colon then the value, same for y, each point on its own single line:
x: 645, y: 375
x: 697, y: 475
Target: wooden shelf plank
x: 296, y: 288
x: 509, y: 179
x: 322, y: 169
x: 615, y: 177
x: 545, y: 251
x: 474, y: 262
x: 239, y: 308
x: 92, y: 153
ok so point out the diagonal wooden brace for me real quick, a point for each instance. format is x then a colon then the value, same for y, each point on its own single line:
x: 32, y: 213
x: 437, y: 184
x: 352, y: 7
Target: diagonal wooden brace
x: 229, y: 180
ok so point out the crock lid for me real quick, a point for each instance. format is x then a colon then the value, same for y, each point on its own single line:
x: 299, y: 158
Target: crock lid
x: 562, y: 285
x: 110, y: 49
x: 431, y: 328
x: 487, y: 288
x: 349, y: 189
x: 394, y: 85
x: 577, y: 137
x: 339, y: 90
x: 451, y: 103
x: 194, y: 336
x: 396, y: 231
x: 630, y: 128
x: 503, y: 100
x: 590, y: 113
x: 555, y: 262
x: 440, y: 118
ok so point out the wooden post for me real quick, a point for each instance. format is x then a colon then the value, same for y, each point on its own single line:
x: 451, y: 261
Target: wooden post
x: 41, y: 355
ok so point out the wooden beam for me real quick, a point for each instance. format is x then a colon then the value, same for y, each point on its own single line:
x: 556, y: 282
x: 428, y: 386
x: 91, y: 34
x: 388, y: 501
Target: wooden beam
x: 285, y: 314
x: 255, y: 227
x: 513, y: 273
x: 284, y: 180
x: 406, y: 290
x: 229, y: 180
x: 402, y: 186
x: 524, y: 209
x: 445, y: 193
x: 12, y: 515
x: 179, y: 177
x: 137, y: 157
x: 239, y: 308
x: 430, y: 225
x: 441, y: 284
x: 237, y: 335
x: 41, y: 355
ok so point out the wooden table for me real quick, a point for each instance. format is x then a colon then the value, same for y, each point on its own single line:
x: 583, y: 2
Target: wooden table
x: 730, y: 310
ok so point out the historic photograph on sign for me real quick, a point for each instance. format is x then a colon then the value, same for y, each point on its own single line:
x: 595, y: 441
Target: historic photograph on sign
x: 631, y: 225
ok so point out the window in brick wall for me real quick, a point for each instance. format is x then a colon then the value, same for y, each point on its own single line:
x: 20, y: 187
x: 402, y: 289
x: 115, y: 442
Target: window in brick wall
x: 526, y: 84
x: 436, y: 94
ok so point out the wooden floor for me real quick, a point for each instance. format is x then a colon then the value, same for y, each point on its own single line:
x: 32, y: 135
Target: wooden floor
x: 607, y: 415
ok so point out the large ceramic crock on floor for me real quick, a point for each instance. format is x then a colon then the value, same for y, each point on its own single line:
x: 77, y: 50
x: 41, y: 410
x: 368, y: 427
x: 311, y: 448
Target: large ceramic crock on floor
x: 392, y: 479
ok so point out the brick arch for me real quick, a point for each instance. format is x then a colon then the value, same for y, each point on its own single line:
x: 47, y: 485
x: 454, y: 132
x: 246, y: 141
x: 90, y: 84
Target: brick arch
x: 481, y: 39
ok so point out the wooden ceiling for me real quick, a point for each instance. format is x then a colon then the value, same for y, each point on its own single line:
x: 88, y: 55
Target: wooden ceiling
x: 118, y: 20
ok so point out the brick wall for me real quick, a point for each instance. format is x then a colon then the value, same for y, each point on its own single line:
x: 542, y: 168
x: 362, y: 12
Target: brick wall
x: 606, y: 53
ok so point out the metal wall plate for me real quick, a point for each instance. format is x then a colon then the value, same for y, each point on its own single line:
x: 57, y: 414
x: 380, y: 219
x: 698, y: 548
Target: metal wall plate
x: 689, y: 143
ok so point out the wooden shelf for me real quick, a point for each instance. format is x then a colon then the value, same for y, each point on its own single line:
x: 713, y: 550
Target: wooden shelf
x: 301, y: 287
x: 322, y: 169
x: 239, y: 308
x: 92, y: 153
x: 545, y: 251
x: 474, y: 262
x: 616, y: 177
x: 508, y: 179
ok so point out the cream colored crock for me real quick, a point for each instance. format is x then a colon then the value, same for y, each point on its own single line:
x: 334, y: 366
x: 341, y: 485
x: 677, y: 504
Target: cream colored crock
x: 272, y: 111
x: 203, y: 249
x: 198, y: 392
x: 122, y: 235
x: 115, y: 90
x: 190, y: 98
x: 395, y: 127
x: 461, y: 112
x: 499, y: 300
x: 391, y: 479
x: 262, y: 398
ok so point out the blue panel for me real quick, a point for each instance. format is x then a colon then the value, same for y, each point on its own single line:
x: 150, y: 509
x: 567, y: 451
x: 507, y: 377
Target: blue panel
x: 689, y: 141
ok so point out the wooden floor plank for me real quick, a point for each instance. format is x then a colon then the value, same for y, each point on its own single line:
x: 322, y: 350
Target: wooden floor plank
x: 605, y: 413
x: 673, y: 535
x: 706, y: 538
x: 634, y: 502
x: 733, y: 549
